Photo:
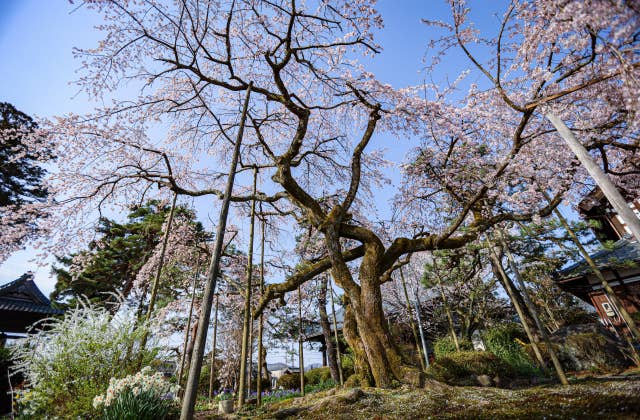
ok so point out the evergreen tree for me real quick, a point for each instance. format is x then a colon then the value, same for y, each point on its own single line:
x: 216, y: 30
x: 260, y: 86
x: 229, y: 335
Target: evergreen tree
x: 21, y: 187
x: 111, y: 263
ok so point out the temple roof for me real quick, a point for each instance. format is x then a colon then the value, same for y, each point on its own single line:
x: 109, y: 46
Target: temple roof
x: 22, y: 304
x: 623, y: 252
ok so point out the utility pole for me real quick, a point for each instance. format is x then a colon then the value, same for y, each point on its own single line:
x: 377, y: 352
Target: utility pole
x: 191, y: 388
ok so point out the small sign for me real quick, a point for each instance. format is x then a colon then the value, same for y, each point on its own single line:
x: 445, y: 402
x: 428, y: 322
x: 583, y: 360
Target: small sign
x: 608, y: 309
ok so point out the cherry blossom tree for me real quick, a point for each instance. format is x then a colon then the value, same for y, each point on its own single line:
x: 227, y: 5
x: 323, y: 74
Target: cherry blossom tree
x: 312, y: 115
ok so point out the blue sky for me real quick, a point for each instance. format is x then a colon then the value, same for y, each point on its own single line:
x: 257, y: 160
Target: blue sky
x: 37, y: 38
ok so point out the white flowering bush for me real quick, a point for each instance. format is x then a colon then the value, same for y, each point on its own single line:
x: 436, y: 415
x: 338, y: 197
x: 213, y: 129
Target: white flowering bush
x: 140, y: 396
x: 72, y: 359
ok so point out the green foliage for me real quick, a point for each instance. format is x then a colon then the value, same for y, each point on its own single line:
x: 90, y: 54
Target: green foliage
x: 289, y: 381
x: 462, y: 368
x: 72, y: 360
x: 321, y: 386
x: 112, y: 262
x: 317, y: 376
x: 502, y: 340
x: 20, y: 174
x: 347, y: 363
x: 444, y: 346
x: 144, y: 406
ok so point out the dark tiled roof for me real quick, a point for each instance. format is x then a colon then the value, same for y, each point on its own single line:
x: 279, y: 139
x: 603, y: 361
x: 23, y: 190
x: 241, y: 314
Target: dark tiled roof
x: 623, y: 252
x: 22, y: 295
x: 23, y: 306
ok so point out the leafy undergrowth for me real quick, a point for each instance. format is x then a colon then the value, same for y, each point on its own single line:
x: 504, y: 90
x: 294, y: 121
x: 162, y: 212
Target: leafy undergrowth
x: 592, y: 398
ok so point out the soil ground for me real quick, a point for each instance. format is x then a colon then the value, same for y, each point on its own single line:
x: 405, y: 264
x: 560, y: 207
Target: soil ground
x: 592, y: 398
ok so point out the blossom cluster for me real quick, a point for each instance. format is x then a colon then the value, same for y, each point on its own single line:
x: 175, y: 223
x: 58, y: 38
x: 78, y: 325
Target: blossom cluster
x: 141, y: 382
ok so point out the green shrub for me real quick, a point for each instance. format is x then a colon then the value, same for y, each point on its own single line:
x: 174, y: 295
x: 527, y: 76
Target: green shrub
x: 289, y: 381
x: 347, y: 364
x: 462, y: 368
x: 317, y: 376
x: 502, y: 340
x: 71, y: 361
x: 311, y: 388
x: 444, y: 346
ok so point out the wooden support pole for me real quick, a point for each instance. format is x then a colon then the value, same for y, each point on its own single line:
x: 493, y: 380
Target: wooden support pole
x: 411, y: 320
x: 191, y: 388
x: 188, y: 326
x: 212, y: 369
x: 247, y: 322
x: 261, y: 320
x: 534, y: 313
x: 300, y: 342
x: 533, y: 340
x: 335, y: 332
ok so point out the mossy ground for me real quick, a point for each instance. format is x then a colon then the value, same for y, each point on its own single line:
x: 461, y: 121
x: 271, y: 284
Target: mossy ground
x: 617, y: 398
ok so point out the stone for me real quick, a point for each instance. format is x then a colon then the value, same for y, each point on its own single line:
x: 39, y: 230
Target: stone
x: 484, y: 380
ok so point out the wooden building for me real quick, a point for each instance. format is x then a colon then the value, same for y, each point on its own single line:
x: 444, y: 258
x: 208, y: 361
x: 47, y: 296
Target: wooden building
x: 619, y: 264
x: 21, y: 305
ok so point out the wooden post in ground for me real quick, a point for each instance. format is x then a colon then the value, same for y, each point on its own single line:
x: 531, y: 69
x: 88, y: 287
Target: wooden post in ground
x: 261, y: 320
x: 300, y: 342
x: 247, y: 323
x: 534, y: 313
x: 533, y: 340
x: 213, y: 349
x: 188, y: 327
x: 335, y: 331
x: 191, y: 388
x: 411, y: 321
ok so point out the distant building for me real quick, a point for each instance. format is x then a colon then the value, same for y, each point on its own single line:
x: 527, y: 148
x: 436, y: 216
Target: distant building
x: 620, y: 265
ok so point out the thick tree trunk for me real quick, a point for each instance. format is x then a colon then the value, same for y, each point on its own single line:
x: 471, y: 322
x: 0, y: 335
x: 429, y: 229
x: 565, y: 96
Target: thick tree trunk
x: 326, y: 329
x: 377, y: 349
